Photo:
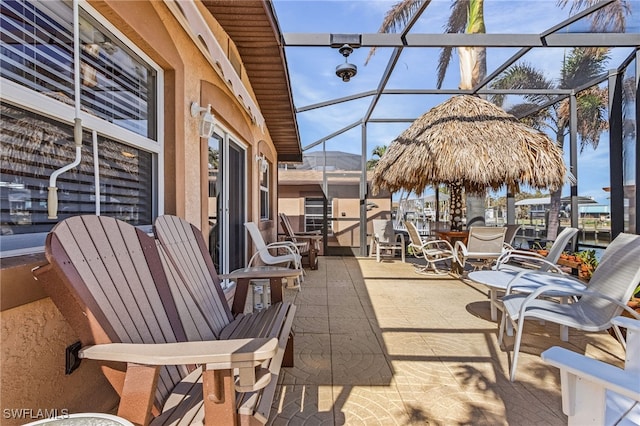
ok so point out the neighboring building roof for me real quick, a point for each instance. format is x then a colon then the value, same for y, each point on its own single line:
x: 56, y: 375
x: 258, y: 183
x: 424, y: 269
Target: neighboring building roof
x: 335, y: 160
x: 253, y: 27
x: 547, y: 200
x: 533, y: 201
x: 314, y: 177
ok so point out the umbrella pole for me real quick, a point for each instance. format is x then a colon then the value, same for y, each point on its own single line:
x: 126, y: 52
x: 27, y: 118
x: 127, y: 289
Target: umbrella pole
x: 455, y: 205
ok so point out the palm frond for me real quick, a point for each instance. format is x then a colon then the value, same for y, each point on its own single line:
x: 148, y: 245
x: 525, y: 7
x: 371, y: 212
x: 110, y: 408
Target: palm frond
x: 524, y: 113
x: 592, y: 116
x: 611, y: 18
x: 521, y: 76
x: 396, y: 19
x: 582, y: 65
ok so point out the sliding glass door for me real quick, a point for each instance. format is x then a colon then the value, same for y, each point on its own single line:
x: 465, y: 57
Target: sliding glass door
x: 227, y: 203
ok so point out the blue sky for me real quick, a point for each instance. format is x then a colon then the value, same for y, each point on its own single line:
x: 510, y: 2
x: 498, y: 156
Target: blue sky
x: 313, y: 80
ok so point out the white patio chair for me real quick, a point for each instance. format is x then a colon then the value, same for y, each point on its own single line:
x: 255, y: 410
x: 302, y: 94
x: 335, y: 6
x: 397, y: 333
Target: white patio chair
x: 597, y: 393
x: 484, y: 245
x: 533, y: 260
x: 291, y: 256
x: 385, y: 238
x: 610, y: 287
x: 432, y: 251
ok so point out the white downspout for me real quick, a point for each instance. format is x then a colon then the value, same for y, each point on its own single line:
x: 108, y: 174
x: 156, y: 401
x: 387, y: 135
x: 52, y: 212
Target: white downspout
x: 52, y: 203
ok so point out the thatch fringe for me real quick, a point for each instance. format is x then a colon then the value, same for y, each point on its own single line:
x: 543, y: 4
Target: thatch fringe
x: 471, y: 140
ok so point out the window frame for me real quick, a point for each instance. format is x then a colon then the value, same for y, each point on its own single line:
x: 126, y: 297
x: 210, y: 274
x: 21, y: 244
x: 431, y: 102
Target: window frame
x: 321, y: 216
x: 264, y: 185
x: 40, y: 104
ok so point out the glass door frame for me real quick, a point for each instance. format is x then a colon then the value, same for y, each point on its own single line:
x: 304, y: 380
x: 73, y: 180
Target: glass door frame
x: 223, y: 218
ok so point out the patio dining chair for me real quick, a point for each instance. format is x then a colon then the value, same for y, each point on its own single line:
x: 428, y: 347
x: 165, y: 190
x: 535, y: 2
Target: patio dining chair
x: 386, y: 239
x: 484, y: 245
x: 432, y: 251
x: 510, y: 235
x: 290, y: 258
x: 610, y: 287
x: 520, y: 260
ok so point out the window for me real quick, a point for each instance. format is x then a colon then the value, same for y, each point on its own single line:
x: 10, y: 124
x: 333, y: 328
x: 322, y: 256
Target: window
x: 37, y: 53
x: 314, y: 215
x: 264, y: 189
x: 117, y: 172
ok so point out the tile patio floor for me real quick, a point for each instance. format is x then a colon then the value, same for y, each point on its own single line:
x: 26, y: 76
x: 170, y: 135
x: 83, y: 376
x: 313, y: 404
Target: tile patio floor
x: 378, y: 344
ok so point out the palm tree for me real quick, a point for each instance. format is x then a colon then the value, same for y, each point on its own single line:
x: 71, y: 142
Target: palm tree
x: 378, y: 151
x: 467, y: 16
x: 580, y: 66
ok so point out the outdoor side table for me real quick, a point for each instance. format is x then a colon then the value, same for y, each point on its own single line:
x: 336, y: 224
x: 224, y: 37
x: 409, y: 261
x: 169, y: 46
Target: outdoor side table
x: 83, y: 419
x: 497, y: 281
x: 243, y: 276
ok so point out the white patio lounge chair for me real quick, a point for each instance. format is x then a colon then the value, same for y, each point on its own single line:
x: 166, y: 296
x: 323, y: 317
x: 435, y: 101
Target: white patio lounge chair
x: 385, y: 238
x: 609, y: 289
x: 597, y: 393
x: 290, y: 258
x: 484, y: 245
x: 432, y: 251
x: 533, y: 260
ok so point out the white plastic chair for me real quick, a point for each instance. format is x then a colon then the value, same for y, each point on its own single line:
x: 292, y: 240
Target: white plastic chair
x: 385, y: 238
x: 610, y: 287
x: 484, y: 244
x: 432, y: 251
x: 597, y: 393
x: 535, y: 261
x: 291, y: 257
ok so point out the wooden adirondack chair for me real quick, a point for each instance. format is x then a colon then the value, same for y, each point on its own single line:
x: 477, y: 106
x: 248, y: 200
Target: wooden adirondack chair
x: 308, y: 242
x: 168, y: 350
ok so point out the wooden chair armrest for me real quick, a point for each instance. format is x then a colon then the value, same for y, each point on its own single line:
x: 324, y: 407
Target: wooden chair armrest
x: 217, y: 354
x: 267, y: 272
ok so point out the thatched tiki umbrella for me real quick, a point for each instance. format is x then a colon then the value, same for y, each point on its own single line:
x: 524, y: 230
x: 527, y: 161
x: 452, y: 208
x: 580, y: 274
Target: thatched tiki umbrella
x: 467, y: 142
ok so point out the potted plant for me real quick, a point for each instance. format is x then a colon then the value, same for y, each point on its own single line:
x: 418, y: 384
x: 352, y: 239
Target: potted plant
x: 588, y: 263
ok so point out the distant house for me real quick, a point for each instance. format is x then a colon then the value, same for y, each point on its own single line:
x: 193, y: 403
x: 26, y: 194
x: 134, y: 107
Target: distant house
x: 537, y: 207
x: 307, y: 200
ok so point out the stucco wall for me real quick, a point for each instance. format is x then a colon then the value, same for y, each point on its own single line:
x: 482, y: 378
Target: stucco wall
x: 346, y: 205
x: 34, y: 338
x: 34, y: 333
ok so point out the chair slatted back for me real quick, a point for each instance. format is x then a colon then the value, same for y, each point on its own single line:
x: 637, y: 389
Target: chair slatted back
x: 113, y: 273
x: 616, y: 276
x: 486, y: 240
x: 286, y: 225
x: 194, y: 280
x: 414, y: 236
x: 304, y: 244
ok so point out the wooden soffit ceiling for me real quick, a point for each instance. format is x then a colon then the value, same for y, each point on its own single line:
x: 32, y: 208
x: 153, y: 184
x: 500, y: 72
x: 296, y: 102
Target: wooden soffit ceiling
x: 253, y: 27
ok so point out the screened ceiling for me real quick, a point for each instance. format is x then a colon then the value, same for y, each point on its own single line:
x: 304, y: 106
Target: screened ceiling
x: 380, y: 90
